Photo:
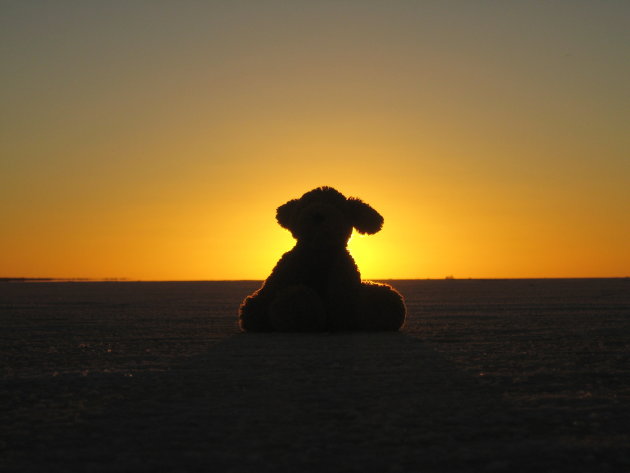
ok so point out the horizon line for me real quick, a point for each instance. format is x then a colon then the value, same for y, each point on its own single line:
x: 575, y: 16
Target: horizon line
x: 446, y: 278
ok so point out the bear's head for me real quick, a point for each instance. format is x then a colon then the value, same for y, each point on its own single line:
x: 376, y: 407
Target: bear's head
x: 324, y: 218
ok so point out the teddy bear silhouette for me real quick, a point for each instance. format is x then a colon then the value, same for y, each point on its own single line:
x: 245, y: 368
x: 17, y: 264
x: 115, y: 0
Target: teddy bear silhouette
x: 317, y: 286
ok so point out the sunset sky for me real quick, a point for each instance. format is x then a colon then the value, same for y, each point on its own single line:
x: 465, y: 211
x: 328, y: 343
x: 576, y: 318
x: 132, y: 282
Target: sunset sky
x: 155, y: 139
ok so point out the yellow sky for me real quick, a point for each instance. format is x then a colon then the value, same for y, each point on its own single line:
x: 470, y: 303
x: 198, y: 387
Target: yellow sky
x: 154, y: 140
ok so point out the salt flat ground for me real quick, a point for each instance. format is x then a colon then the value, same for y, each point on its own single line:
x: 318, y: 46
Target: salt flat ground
x: 497, y: 375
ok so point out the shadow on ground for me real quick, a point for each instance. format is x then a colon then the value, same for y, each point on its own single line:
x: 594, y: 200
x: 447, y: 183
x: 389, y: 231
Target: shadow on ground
x: 286, y: 402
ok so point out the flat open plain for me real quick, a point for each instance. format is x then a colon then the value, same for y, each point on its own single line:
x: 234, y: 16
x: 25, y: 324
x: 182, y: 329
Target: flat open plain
x: 496, y: 375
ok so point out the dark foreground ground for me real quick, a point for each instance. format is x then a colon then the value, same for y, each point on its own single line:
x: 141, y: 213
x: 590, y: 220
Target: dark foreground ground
x: 530, y: 375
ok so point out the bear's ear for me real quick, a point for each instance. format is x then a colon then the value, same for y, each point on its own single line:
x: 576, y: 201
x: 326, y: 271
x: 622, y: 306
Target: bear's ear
x: 286, y: 213
x: 363, y: 217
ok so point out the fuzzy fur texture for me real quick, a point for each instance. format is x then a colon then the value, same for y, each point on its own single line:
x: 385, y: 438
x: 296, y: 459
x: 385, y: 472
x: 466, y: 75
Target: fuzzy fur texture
x: 317, y: 286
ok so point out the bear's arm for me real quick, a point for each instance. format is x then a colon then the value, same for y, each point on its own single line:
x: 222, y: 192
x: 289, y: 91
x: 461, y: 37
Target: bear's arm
x: 254, y: 311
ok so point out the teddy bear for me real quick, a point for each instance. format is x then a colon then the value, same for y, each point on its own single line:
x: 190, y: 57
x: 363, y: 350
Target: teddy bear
x: 316, y: 286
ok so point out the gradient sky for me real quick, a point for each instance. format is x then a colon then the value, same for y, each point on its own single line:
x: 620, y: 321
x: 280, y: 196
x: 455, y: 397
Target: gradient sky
x: 155, y: 139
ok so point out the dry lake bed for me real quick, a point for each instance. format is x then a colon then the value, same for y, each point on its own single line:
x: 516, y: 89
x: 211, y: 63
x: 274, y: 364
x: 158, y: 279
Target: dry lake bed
x: 487, y: 375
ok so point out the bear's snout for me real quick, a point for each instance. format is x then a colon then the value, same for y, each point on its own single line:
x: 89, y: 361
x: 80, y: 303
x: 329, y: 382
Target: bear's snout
x: 318, y: 217
x: 322, y: 225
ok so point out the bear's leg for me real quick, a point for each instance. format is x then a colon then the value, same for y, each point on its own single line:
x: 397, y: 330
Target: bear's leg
x: 382, y: 307
x: 253, y: 314
x: 297, y: 309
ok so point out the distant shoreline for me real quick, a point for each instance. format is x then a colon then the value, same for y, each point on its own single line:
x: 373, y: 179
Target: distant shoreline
x: 448, y: 279
x: 64, y: 279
